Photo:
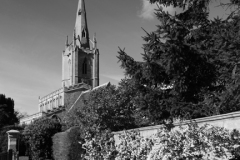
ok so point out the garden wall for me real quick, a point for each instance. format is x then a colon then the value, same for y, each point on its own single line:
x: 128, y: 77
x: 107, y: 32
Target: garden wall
x: 229, y: 121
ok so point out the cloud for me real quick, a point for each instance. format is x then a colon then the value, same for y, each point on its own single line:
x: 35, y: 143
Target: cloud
x: 148, y: 9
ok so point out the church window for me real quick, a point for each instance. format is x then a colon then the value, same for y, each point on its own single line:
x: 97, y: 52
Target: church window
x: 84, y: 33
x: 69, y: 68
x: 84, y: 66
x: 57, y: 103
x: 79, y: 12
x: 60, y: 100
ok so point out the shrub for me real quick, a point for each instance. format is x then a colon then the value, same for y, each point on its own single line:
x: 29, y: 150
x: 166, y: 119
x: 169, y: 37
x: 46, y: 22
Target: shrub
x: 66, y: 145
x: 133, y: 146
x: 194, y: 142
x: 186, y: 142
x: 99, y: 145
x: 39, y: 137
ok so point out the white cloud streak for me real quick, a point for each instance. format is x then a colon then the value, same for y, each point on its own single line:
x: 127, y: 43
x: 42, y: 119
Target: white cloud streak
x: 148, y: 9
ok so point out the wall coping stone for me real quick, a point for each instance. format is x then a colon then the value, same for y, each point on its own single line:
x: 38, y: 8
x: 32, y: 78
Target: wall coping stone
x: 198, y: 120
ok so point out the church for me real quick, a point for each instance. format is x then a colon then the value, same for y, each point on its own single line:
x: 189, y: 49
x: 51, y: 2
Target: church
x: 80, y: 71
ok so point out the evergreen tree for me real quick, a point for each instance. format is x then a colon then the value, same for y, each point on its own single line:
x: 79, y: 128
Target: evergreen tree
x: 189, y: 67
x: 7, y: 113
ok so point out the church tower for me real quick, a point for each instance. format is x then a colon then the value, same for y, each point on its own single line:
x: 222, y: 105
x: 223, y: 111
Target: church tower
x: 80, y: 59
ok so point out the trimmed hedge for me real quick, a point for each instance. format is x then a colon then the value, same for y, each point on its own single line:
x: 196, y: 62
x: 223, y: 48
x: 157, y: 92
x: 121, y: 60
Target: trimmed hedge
x: 66, y: 145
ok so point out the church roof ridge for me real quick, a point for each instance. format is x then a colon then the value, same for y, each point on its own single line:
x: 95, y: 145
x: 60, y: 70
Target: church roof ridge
x: 84, y: 92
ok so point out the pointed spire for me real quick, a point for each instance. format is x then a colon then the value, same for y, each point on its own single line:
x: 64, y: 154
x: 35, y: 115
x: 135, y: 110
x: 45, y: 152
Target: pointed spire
x: 81, y: 26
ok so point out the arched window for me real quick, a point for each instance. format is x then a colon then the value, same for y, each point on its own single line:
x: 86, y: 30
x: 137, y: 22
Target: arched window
x: 60, y: 100
x: 69, y: 68
x: 79, y: 12
x: 57, y: 103
x: 45, y: 109
x: 83, y: 33
x: 84, y: 66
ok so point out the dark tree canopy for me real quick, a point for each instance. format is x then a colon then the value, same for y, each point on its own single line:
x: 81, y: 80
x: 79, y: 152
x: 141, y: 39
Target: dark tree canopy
x: 189, y: 67
x: 7, y: 113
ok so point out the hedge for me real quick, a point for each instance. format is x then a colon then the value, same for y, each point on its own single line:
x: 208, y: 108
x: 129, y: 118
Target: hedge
x: 39, y: 137
x: 66, y: 145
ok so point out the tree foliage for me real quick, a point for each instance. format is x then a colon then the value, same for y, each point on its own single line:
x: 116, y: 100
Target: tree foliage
x: 7, y: 113
x: 183, y: 142
x: 190, y: 65
x: 38, y: 135
x: 102, y: 109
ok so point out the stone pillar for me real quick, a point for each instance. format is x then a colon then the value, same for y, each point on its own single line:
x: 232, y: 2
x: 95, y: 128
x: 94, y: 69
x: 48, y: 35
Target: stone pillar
x: 13, y: 136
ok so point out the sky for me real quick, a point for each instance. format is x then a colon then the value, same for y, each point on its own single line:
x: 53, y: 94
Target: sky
x: 33, y: 35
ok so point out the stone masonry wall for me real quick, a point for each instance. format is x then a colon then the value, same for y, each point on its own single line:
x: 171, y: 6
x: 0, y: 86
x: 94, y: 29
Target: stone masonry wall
x: 229, y: 121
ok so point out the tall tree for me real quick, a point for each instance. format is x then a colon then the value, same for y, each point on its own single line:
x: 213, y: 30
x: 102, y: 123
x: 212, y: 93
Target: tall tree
x: 189, y: 66
x: 7, y: 113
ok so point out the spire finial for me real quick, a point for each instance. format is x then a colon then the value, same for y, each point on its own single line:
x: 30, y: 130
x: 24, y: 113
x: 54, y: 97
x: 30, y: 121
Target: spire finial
x: 81, y: 26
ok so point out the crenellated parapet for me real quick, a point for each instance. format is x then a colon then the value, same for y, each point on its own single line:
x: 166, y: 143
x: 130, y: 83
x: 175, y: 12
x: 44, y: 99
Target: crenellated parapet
x: 31, y: 118
x: 52, y: 100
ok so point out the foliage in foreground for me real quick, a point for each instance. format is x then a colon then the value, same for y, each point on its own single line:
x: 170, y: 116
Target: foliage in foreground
x: 66, y: 146
x: 186, y: 142
x: 190, y: 66
x: 38, y: 135
x: 103, y: 108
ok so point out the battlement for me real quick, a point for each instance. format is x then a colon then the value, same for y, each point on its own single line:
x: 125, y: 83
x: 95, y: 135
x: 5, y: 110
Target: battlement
x: 51, y: 95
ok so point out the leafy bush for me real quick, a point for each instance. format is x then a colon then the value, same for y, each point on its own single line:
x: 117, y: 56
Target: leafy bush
x: 99, y: 145
x: 101, y: 108
x: 133, y: 146
x: 39, y: 137
x: 66, y: 145
x: 186, y: 142
x: 194, y: 142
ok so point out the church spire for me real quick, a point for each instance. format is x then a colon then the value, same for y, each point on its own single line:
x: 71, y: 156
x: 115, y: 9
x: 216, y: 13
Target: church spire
x: 81, y: 28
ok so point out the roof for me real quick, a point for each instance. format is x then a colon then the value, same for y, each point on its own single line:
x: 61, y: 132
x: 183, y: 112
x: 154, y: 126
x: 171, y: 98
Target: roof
x: 84, y: 95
